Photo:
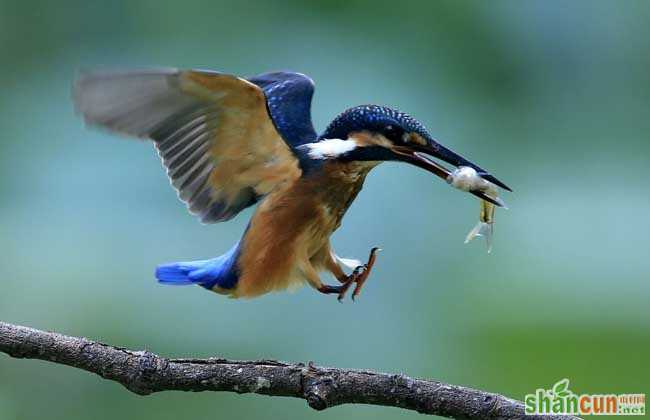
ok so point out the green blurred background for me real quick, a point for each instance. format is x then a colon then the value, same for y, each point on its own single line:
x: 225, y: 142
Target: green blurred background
x: 553, y: 97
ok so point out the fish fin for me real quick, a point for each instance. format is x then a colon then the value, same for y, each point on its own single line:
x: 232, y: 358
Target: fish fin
x: 482, y: 229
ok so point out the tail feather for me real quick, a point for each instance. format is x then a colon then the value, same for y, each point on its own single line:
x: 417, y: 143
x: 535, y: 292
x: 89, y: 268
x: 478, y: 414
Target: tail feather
x: 221, y: 271
x: 183, y: 273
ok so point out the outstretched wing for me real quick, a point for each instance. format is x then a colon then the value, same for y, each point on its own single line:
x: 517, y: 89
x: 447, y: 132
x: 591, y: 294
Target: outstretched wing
x: 213, y: 132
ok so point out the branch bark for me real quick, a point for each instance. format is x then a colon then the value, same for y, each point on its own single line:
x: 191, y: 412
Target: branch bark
x: 143, y: 373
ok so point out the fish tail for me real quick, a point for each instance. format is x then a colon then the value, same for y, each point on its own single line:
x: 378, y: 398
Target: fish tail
x: 482, y: 229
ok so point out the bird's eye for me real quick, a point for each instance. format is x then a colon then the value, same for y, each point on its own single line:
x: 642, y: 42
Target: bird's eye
x: 390, y: 131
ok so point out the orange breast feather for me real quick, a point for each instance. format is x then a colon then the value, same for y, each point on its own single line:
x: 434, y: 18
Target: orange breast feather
x: 291, y: 225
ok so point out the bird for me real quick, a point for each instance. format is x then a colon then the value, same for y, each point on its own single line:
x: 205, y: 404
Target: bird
x: 229, y: 142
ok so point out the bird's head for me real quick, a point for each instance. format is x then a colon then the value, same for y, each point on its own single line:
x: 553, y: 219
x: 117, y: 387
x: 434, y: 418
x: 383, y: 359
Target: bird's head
x: 377, y: 133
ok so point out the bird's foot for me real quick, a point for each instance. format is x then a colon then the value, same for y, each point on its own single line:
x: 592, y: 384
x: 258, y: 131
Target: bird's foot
x: 363, y: 272
x: 359, y: 276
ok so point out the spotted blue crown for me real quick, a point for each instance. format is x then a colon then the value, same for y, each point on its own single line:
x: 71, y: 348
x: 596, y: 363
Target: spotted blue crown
x: 374, y: 118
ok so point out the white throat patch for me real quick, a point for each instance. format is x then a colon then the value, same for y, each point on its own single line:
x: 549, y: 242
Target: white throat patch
x: 329, y: 148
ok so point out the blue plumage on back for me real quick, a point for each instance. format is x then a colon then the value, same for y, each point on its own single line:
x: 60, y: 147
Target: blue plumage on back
x: 221, y: 271
x: 288, y: 97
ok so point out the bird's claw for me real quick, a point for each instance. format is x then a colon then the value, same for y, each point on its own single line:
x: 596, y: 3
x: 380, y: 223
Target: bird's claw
x: 355, y: 277
x: 359, y: 276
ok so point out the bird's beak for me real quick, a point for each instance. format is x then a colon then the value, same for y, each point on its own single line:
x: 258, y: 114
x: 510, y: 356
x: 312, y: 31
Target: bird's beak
x: 419, y: 155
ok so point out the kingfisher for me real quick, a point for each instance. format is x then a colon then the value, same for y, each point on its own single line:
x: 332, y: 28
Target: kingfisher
x: 229, y: 142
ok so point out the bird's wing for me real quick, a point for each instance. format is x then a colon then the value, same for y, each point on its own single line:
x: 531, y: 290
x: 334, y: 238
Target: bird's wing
x: 212, y: 130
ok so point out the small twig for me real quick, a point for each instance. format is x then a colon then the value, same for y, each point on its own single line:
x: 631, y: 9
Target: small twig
x: 144, y: 373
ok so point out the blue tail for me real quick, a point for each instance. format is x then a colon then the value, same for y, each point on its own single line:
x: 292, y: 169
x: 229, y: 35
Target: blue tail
x: 182, y: 273
x: 221, y: 271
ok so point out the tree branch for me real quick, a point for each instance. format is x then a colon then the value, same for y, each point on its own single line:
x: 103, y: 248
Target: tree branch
x: 143, y: 373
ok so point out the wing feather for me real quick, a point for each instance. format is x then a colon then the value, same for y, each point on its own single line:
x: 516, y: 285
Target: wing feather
x: 212, y: 131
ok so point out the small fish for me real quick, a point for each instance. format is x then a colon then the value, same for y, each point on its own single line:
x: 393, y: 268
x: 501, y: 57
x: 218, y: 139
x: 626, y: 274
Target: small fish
x: 467, y: 179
